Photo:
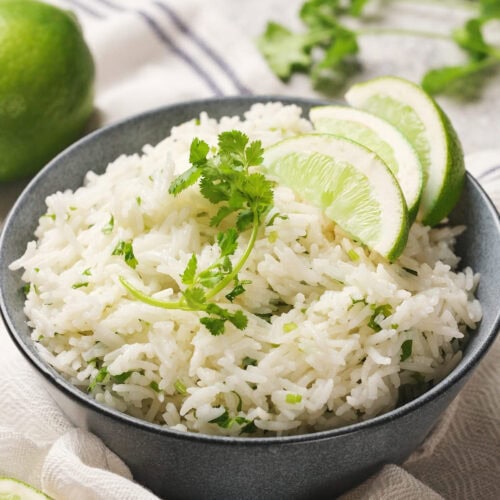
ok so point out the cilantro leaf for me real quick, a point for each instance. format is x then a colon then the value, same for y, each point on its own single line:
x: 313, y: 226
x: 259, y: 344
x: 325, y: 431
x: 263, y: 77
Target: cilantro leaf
x: 183, y: 181
x: 244, y: 220
x: 284, y: 50
x: 210, y: 277
x: 254, y: 153
x: 490, y: 9
x: 437, y: 81
x: 198, y: 152
x: 228, y: 241
x: 470, y: 38
x: 214, y: 189
x: 239, y: 320
x: 214, y: 325
x: 190, y: 272
x: 195, y: 297
x: 221, y: 214
x: 356, y: 7
x: 233, y: 143
x: 344, y: 44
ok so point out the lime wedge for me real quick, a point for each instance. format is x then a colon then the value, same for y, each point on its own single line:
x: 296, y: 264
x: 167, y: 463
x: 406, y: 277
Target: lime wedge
x: 353, y: 186
x: 382, y: 138
x: 12, y: 489
x: 412, y: 111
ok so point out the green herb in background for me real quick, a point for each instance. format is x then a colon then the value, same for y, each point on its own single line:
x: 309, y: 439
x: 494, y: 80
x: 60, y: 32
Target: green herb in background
x: 226, y: 181
x: 327, y: 49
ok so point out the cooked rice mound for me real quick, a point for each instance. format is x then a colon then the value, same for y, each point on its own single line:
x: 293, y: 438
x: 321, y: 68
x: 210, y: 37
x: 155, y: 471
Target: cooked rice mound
x: 330, y: 324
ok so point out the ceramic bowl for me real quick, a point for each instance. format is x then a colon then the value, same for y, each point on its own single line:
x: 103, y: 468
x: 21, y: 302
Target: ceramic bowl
x: 187, y: 465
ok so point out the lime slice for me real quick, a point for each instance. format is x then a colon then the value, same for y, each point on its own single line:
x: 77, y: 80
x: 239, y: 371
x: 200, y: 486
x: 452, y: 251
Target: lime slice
x: 12, y: 489
x: 412, y: 111
x: 382, y: 138
x: 353, y: 186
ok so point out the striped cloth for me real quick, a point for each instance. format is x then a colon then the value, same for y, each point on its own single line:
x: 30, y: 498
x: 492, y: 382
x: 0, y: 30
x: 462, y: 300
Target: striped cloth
x: 154, y: 52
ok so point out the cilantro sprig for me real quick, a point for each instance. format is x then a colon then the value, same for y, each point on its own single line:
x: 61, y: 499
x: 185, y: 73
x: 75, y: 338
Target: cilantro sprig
x: 227, y: 181
x: 328, y: 46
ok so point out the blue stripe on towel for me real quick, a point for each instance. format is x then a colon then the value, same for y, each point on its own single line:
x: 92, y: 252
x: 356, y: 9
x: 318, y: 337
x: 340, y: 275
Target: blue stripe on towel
x: 85, y: 8
x: 168, y: 42
x: 184, y: 28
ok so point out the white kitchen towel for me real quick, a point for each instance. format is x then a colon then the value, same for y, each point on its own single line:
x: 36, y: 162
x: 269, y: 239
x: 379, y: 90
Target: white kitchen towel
x: 153, y: 52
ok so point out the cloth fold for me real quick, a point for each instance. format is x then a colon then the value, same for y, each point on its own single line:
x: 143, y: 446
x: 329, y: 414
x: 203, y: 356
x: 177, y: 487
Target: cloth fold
x: 154, y: 52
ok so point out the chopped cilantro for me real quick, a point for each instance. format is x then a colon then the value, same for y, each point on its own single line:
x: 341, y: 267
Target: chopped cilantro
x: 108, y: 228
x: 272, y: 237
x: 293, y: 398
x: 275, y: 216
x: 353, y: 255
x: 249, y: 428
x: 121, y: 377
x: 99, y: 378
x: 406, y: 349
x: 180, y: 387
x: 411, y: 271
x: 240, y: 402
x: 383, y: 310
x: 265, y: 316
x: 226, y: 421
x: 154, y: 385
x: 125, y: 248
x: 247, y: 361
x: 80, y: 285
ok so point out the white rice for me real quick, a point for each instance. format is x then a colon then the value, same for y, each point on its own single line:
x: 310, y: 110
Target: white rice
x: 318, y: 364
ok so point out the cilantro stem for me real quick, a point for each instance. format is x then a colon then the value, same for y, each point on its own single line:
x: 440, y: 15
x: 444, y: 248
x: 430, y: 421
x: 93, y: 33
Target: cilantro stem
x: 150, y: 300
x: 237, y: 268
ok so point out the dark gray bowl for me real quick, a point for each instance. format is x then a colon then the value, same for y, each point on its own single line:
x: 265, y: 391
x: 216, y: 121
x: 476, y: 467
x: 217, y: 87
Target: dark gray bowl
x: 180, y: 465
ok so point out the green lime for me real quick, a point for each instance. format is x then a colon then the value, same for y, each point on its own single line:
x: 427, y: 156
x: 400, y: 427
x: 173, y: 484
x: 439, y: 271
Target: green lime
x: 382, y: 138
x: 12, y: 489
x: 353, y: 186
x: 46, y: 85
x: 412, y: 111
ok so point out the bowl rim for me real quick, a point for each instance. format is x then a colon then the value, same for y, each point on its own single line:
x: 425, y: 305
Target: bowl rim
x: 71, y: 391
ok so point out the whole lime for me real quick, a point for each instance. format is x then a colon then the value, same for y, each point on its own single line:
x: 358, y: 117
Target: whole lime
x: 46, y: 85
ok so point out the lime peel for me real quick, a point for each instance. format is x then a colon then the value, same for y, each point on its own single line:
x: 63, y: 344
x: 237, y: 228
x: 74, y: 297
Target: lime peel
x: 410, y: 109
